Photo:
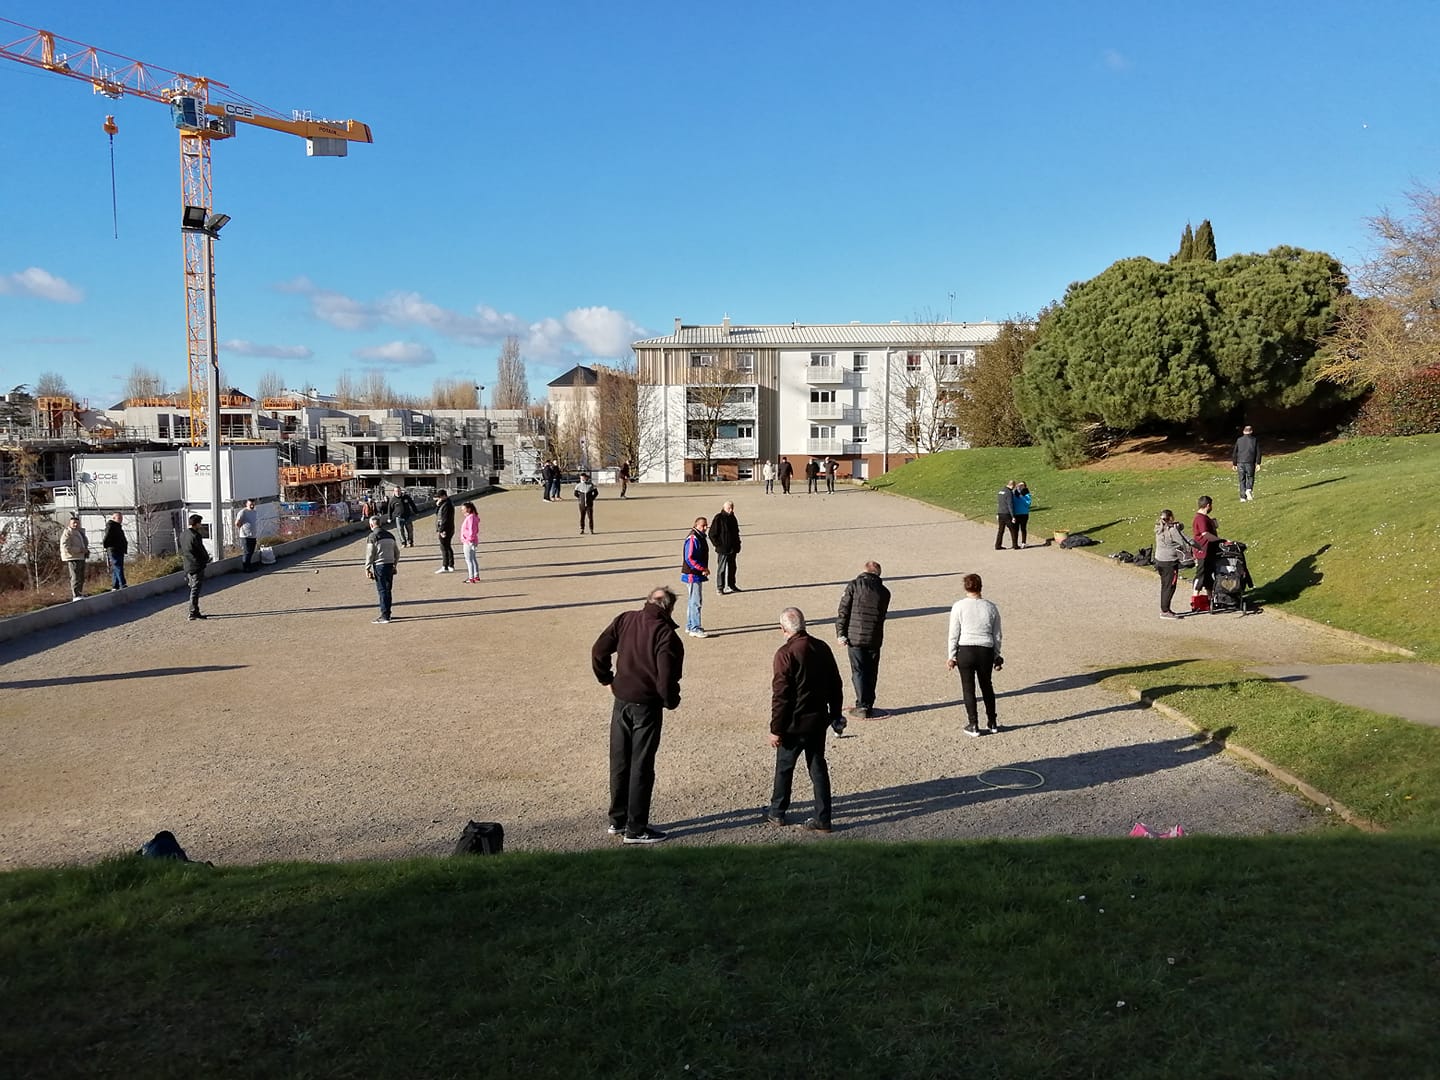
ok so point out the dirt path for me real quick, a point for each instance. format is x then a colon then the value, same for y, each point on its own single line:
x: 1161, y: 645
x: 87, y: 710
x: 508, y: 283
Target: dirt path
x: 287, y: 726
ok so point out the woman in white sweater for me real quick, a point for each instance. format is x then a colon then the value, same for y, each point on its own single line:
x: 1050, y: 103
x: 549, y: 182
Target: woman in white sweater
x: 973, y: 647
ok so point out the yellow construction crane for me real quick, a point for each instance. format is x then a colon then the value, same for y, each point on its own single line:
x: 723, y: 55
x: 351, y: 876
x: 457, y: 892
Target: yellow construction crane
x: 203, y: 110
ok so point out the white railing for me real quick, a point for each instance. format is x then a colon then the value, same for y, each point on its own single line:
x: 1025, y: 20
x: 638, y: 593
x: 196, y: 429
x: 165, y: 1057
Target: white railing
x: 824, y: 410
x: 824, y: 446
x: 824, y: 373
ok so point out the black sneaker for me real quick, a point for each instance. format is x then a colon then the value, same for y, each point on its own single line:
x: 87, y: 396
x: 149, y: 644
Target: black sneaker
x: 972, y: 730
x: 994, y: 727
x: 838, y: 726
x: 816, y: 825
x: 649, y: 836
x: 193, y: 615
x: 615, y: 830
x: 774, y: 819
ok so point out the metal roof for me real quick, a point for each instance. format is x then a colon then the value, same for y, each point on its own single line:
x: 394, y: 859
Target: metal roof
x: 579, y: 375
x: 839, y: 334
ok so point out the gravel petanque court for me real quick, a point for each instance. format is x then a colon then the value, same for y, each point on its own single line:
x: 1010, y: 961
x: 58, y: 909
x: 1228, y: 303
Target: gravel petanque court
x: 288, y: 726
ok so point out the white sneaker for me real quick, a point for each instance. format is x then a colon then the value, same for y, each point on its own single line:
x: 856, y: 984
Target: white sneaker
x: 441, y: 570
x: 697, y: 633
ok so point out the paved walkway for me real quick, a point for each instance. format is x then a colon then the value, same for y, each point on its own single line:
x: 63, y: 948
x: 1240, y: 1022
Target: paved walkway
x: 287, y: 726
x: 1411, y: 691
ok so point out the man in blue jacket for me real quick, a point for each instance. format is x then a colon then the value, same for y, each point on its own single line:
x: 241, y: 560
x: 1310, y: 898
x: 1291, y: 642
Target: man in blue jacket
x: 694, y: 569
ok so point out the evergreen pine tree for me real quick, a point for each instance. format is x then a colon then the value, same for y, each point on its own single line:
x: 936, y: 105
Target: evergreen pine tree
x: 1204, y: 245
x: 1187, y: 246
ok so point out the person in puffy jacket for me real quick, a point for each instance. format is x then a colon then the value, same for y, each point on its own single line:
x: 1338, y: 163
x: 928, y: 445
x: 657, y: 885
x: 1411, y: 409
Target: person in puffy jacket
x: 1020, y: 514
x: 195, y: 557
x: 860, y: 627
x: 74, y: 550
x: 1171, y: 547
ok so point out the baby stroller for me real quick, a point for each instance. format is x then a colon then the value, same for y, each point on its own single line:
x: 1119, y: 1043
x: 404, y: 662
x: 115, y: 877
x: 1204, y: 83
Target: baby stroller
x: 1232, y: 577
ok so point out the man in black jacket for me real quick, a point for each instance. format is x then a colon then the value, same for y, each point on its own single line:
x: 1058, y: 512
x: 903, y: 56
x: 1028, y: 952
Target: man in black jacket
x: 402, y: 511
x: 725, y: 539
x: 445, y: 531
x: 645, y: 682
x: 1245, y: 460
x: 116, y: 545
x: 806, y: 696
x: 860, y: 627
x: 195, y: 558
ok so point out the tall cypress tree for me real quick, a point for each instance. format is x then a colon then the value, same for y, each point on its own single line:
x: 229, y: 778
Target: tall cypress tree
x: 1204, y: 245
x: 1187, y: 246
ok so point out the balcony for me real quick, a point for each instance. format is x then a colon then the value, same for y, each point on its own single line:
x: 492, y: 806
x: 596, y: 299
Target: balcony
x: 825, y: 410
x: 725, y: 449
x: 824, y: 446
x: 822, y: 374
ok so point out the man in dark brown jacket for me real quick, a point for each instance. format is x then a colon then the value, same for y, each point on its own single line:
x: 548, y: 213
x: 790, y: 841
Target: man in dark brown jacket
x: 806, y: 697
x: 645, y: 682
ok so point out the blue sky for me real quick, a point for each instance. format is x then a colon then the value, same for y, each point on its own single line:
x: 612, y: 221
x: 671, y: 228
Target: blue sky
x: 581, y: 173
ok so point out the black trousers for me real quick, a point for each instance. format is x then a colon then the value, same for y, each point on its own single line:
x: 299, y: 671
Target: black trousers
x: 634, y: 741
x: 786, y: 756
x: 1169, y: 575
x: 864, y: 671
x: 195, y: 581
x: 725, y: 570
x: 976, y: 662
x: 247, y: 560
x: 1020, y: 524
x: 1007, y: 524
x: 587, y: 511
x: 447, y: 553
x: 1245, y: 473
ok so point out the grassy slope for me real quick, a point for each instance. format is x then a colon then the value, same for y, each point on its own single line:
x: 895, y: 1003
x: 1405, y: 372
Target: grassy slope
x: 1296, y: 956
x: 1346, y: 534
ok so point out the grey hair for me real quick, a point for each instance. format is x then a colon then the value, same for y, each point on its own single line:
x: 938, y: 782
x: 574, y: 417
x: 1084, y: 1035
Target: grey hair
x: 374, y: 522
x: 662, y: 595
x: 792, y: 620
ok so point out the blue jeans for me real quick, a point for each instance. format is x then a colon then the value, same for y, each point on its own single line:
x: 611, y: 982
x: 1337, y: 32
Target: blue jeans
x: 692, y: 608
x: 117, y: 571
x: 384, y: 579
x: 472, y: 559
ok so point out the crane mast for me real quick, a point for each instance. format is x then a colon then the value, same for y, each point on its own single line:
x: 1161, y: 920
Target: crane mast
x: 199, y: 120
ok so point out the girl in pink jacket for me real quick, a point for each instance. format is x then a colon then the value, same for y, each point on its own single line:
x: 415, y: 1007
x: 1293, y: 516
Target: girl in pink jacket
x: 470, y: 537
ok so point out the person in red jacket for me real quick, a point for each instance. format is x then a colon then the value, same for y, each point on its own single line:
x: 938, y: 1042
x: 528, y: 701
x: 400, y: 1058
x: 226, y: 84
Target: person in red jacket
x: 645, y: 682
x: 806, y: 697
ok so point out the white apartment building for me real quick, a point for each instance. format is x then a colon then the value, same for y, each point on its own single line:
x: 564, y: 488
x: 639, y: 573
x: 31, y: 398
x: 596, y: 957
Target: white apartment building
x: 870, y: 395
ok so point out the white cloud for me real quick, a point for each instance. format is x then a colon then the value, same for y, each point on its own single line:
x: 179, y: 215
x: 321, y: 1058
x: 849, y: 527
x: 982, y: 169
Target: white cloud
x: 580, y: 332
x: 41, y: 284
x: 402, y: 353
x: 240, y: 347
x: 1116, y: 60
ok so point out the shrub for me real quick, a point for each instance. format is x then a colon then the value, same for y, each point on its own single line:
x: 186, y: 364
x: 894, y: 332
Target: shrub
x: 1409, y: 405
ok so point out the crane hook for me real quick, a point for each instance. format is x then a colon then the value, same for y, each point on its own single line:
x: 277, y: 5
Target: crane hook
x: 110, y: 129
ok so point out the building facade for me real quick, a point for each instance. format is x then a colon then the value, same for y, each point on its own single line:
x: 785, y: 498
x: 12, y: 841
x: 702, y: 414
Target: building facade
x: 869, y: 395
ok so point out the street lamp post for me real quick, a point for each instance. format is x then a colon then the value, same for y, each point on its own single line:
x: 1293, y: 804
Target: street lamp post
x: 197, y: 219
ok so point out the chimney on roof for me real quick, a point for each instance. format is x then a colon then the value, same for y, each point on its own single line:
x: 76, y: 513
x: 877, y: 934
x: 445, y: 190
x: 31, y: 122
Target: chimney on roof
x: 725, y: 326
x: 677, y: 324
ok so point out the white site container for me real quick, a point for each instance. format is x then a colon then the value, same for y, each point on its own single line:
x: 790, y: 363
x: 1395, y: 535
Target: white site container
x: 144, y: 487
x: 246, y: 472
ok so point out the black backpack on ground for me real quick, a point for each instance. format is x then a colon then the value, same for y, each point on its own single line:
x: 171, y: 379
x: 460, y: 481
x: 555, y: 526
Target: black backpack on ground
x: 164, y: 846
x: 481, y: 838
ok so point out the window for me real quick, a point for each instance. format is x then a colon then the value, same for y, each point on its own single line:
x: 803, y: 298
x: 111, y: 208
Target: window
x: 822, y: 431
x: 822, y: 359
x: 702, y: 360
x: 497, y: 456
x: 949, y: 431
x: 822, y: 397
x: 741, y: 395
x: 744, y: 431
x: 861, y: 433
x: 365, y: 456
x: 162, y: 424
x: 912, y: 433
x: 427, y: 457
x: 912, y: 361
x: 382, y: 457
x: 745, y: 361
x: 741, y: 430
x: 181, y: 427
x: 467, y: 457
x: 912, y: 396
x: 860, y: 361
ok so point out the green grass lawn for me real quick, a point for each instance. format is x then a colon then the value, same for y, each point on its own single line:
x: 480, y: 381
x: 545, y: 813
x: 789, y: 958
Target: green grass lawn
x: 1345, y: 533
x: 1385, y: 769
x: 1284, y: 956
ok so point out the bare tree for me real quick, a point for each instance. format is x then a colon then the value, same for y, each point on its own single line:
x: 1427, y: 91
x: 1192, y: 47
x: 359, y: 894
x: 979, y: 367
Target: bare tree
x: 143, y: 382
x: 347, y: 394
x: 454, y: 394
x: 628, y: 421
x: 712, y: 399
x: 1393, y: 328
x: 924, y: 391
x: 52, y: 384
x: 564, y: 434
x: 512, y: 388
x: 31, y: 536
x: 271, y: 384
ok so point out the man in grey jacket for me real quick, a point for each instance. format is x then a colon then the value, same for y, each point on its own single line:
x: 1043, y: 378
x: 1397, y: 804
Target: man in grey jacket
x: 860, y: 627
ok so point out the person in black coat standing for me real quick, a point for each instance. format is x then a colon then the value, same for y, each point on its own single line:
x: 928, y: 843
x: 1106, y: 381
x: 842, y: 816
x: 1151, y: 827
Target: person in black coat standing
x: 195, y: 558
x: 806, y: 697
x: 787, y: 473
x: 445, y: 531
x: 1005, y: 515
x: 116, y: 546
x: 725, y: 539
x: 860, y: 627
